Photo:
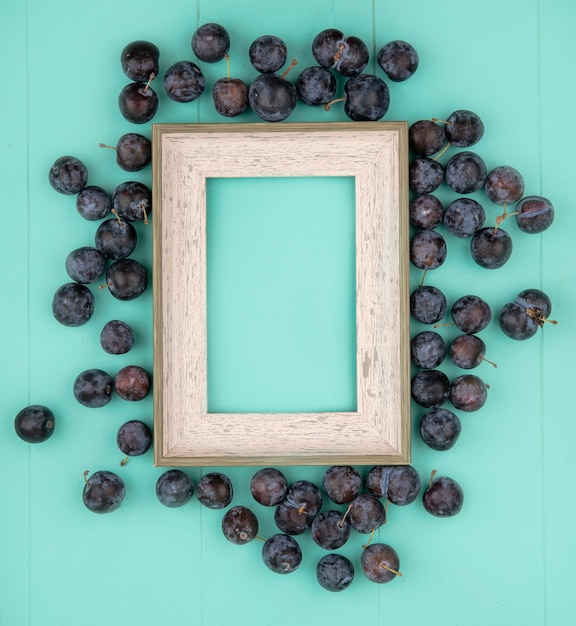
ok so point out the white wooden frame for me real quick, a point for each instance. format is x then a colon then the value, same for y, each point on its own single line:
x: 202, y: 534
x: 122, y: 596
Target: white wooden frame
x: 184, y: 156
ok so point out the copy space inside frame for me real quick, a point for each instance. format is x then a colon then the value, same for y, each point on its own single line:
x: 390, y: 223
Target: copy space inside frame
x: 375, y: 156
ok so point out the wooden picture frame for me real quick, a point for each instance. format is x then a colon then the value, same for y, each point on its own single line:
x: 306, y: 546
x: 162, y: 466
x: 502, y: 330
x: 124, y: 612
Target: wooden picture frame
x: 184, y: 157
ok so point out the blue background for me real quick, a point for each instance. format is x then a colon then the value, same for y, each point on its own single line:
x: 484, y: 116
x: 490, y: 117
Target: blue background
x: 508, y: 557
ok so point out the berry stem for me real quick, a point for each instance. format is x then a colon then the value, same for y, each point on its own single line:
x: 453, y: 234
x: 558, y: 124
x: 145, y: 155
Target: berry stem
x: 289, y: 68
x: 341, y: 522
x: 115, y: 212
x: 383, y: 565
x: 227, y: 57
x: 432, y: 474
x: 487, y: 361
x: 372, y: 532
x: 124, y: 461
x: 435, y: 119
x: 329, y: 104
x: 105, y: 145
x: 423, y: 277
x: 86, y: 472
x: 448, y: 144
x: 152, y: 76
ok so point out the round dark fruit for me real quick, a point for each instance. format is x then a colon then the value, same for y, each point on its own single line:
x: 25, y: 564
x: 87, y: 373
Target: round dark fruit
x: 425, y: 175
x: 139, y: 60
x: 210, y: 42
x: 471, y: 314
x: 330, y: 530
x: 443, y: 497
x: 116, y: 337
x: 316, y: 85
x: 132, y: 383
x: 138, y: 102
x: 126, y: 279
x: 305, y: 496
x: 184, y: 82
x: 68, y: 175
x: 465, y: 172
x: 366, y: 513
x: 464, y: 128
x: 428, y: 304
x: 467, y: 351
x: 115, y: 239
x: 132, y: 201
x: 281, y: 554
x: 426, y: 211
x: 334, y: 572
x: 214, y: 490
x: 85, y: 265
x: 427, y: 350
x: 380, y: 563
x: 34, y: 423
x: 463, y: 217
x: 367, y: 98
x: 426, y: 138
x: 93, y: 203
x: 93, y: 388
x: 239, y: 525
x: 230, y: 96
x: 440, y: 429
x: 468, y: 393
x: 536, y: 303
x: 73, y: 304
x: 491, y: 247
x: 504, y: 185
x: 430, y: 388
x: 267, y: 53
x: 174, y: 488
x: 427, y: 250
x: 268, y: 486
x: 272, y: 97
x: 134, y: 438
x: 515, y: 323
x: 290, y: 519
x: 342, y: 483
x: 133, y: 152
x: 534, y: 214
x: 400, y: 484
x: 398, y: 59
x: 103, y: 492
x: 347, y: 55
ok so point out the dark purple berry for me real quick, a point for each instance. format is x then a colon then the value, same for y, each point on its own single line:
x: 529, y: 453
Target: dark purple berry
x: 103, y: 492
x: 430, y: 388
x: 214, y: 490
x: 68, y: 175
x: 34, y: 423
x: 240, y: 525
x: 174, y: 488
x: 443, y: 497
x: 398, y: 59
x: 134, y: 438
x: 210, y: 42
x: 73, y: 304
x: 139, y: 60
x: 93, y: 388
x: 440, y: 429
x: 93, y: 203
x: 132, y: 383
x: 116, y: 337
x: 334, y: 572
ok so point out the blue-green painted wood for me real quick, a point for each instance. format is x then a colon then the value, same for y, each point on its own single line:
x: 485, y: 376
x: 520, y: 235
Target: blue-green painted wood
x: 507, y: 558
